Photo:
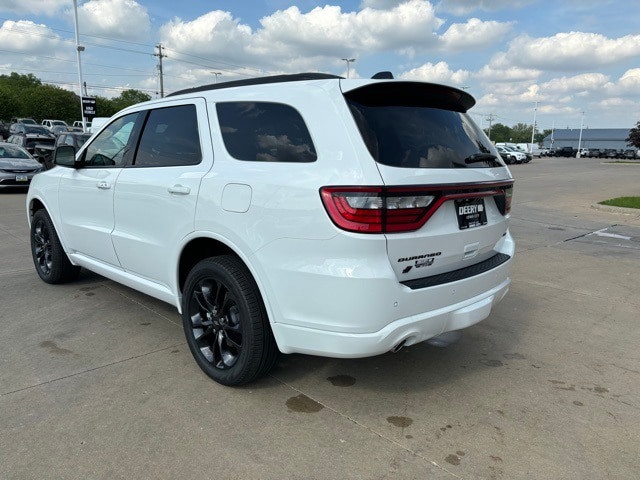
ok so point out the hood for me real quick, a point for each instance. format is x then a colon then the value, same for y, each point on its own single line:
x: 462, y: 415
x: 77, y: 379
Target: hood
x: 13, y: 164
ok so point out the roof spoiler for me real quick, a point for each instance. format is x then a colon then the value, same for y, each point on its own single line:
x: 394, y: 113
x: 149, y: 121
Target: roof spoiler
x: 383, y: 76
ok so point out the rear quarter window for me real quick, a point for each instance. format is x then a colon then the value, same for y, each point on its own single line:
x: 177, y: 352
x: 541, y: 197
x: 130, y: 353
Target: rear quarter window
x: 265, y: 132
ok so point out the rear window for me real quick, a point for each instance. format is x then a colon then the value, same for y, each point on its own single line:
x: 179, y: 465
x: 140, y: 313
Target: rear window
x: 419, y: 131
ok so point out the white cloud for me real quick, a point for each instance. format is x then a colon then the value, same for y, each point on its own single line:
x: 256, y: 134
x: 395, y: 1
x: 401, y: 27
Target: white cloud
x: 436, y: 73
x: 464, y: 7
x: 572, y: 51
x: 33, y: 7
x: 577, y: 84
x: 123, y: 19
x: 26, y: 37
x: 380, y: 4
x: 474, y: 34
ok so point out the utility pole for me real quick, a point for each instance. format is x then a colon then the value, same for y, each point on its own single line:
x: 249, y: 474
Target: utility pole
x: 216, y: 74
x: 553, y: 129
x: 349, y: 61
x: 160, y: 56
x: 580, y: 137
x: 490, y: 119
x: 533, y: 129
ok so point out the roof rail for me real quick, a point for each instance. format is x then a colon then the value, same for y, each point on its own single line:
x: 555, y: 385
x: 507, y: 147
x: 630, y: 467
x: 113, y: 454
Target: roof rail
x: 296, y: 77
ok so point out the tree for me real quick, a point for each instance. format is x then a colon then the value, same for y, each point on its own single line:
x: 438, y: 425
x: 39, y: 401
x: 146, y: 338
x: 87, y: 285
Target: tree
x: 128, y: 98
x: 499, y: 133
x: 633, y: 140
x: 521, y: 133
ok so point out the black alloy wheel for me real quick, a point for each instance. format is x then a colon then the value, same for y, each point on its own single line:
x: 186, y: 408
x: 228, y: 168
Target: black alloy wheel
x: 49, y: 258
x: 225, y: 322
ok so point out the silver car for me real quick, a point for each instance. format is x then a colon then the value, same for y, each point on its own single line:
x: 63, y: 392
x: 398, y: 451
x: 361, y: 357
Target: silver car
x: 17, y: 166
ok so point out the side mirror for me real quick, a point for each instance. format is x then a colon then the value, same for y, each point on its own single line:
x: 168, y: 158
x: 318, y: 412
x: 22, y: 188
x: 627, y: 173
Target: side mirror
x: 65, y: 156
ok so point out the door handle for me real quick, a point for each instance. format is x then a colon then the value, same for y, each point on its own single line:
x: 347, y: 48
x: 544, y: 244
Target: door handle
x: 102, y: 185
x: 179, y: 190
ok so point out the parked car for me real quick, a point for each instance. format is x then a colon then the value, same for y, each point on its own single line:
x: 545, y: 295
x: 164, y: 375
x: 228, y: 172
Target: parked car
x: 331, y: 223
x: 507, y: 156
x: 49, y: 124
x: 4, y: 131
x: 630, y: 154
x: 519, y: 156
x: 36, y: 140
x: 17, y: 166
x: 566, y: 152
x: 26, y: 121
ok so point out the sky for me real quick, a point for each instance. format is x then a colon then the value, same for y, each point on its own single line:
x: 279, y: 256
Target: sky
x: 564, y: 62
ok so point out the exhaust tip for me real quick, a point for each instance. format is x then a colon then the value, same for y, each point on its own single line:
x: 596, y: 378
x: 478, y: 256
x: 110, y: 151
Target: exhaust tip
x: 445, y: 339
x: 399, y: 346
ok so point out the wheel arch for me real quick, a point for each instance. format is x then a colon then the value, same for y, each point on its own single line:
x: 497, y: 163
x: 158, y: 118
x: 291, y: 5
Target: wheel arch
x: 201, y: 247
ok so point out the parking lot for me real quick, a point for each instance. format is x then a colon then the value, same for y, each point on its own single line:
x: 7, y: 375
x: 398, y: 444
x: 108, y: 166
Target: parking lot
x: 97, y: 380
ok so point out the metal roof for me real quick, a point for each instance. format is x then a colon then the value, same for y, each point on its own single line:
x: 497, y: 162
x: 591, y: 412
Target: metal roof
x: 590, y: 134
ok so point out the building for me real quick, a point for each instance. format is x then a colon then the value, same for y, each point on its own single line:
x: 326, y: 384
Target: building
x: 596, y: 138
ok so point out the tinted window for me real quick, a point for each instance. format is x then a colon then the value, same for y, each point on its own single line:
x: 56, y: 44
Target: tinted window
x: 419, y: 136
x: 170, y: 138
x: 110, y: 147
x: 265, y: 132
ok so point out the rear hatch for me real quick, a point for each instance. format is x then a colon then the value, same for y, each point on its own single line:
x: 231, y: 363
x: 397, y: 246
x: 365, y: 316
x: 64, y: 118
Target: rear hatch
x: 447, y: 192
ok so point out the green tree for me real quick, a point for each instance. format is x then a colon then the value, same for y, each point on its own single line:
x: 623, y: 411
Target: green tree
x: 521, y: 133
x: 499, y: 133
x: 128, y: 98
x: 633, y: 140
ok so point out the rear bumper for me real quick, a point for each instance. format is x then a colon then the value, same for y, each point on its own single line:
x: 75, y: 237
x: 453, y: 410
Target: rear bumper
x: 410, y: 330
x: 353, y: 305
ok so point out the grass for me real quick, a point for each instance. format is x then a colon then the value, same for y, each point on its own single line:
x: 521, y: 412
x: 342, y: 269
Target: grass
x: 626, y: 202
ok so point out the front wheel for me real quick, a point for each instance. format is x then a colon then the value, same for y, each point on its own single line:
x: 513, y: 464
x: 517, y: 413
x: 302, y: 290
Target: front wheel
x: 49, y: 258
x: 225, y: 322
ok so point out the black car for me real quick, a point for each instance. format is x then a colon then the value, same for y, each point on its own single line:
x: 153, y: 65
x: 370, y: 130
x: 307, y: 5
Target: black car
x: 37, y: 144
x: 566, y: 152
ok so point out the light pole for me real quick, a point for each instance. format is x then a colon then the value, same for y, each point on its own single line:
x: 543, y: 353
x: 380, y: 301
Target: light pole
x: 580, y: 137
x: 216, y: 74
x: 79, y: 48
x: 349, y: 61
x: 533, y: 129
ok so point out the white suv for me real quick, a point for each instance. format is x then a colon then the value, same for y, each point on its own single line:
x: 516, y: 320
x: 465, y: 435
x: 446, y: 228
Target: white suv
x: 304, y: 213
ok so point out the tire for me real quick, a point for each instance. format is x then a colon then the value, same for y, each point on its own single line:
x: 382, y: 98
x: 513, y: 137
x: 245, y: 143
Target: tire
x: 225, y: 322
x: 51, y: 262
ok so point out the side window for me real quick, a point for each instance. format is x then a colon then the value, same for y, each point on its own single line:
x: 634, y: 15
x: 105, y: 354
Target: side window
x: 109, y: 148
x: 265, y: 132
x: 69, y: 140
x: 170, y: 138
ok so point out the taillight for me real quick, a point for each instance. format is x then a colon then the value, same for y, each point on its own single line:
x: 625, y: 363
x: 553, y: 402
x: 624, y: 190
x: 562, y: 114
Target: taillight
x: 376, y: 209
x: 402, y: 209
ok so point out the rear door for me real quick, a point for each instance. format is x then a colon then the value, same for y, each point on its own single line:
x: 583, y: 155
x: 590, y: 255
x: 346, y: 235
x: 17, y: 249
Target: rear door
x: 155, y: 197
x: 424, y: 143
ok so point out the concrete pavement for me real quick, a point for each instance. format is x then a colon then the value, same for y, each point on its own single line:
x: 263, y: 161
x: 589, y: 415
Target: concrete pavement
x: 96, y: 380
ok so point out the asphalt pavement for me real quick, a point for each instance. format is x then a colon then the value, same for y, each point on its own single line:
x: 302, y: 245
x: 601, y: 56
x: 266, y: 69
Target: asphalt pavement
x: 96, y: 380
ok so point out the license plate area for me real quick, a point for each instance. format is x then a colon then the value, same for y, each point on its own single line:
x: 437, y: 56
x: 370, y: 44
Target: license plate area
x: 21, y: 178
x: 471, y: 213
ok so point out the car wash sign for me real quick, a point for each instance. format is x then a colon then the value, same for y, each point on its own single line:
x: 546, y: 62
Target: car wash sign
x: 89, y: 109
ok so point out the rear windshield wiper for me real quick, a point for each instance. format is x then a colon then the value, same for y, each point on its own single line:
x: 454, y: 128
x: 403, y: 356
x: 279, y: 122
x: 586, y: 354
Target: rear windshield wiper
x: 480, y: 157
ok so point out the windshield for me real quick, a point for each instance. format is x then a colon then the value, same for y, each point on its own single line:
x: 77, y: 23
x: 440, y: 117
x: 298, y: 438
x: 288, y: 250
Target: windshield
x: 423, y: 137
x: 12, y: 151
x: 35, y: 129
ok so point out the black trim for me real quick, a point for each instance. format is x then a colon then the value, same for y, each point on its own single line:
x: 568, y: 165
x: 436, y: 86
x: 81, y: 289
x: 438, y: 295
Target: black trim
x: 297, y: 77
x: 448, y: 277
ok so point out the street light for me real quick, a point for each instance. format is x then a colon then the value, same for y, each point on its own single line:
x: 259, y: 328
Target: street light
x: 533, y: 129
x: 216, y: 74
x: 580, y: 137
x: 348, y: 60
x: 79, y: 48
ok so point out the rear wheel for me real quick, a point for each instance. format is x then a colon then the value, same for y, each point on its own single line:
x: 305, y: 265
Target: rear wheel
x: 225, y: 322
x: 49, y: 258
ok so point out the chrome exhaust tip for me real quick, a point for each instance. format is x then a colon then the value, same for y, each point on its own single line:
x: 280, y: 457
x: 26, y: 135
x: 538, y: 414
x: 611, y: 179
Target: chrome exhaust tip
x: 399, y: 346
x: 445, y: 339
